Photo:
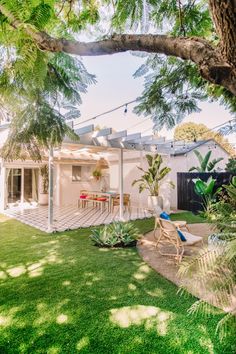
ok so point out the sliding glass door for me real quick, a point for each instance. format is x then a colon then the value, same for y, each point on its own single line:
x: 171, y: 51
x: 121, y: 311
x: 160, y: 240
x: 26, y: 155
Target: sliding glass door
x: 14, y: 185
x: 22, y: 185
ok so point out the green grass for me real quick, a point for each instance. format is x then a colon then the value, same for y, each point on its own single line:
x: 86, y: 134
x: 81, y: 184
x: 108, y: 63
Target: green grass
x: 61, y: 294
x: 189, y: 217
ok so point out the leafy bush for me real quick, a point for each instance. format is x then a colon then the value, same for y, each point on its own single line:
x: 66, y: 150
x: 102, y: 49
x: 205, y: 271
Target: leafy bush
x: 118, y: 234
x: 206, y: 191
x: 231, y: 165
x: 214, y: 267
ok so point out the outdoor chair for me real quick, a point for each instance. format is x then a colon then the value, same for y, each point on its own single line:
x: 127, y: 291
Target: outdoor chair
x: 126, y: 202
x: 180, y: 224
x: 84, y: 198
x: 101, y: 201
x: 170, y: 235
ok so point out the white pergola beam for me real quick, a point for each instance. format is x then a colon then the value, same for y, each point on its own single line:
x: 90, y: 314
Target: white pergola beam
x: 132, y: 137
x: 118, y: 135
x: 102, y: 132
x: 85, y: 130
x: 143, y: 139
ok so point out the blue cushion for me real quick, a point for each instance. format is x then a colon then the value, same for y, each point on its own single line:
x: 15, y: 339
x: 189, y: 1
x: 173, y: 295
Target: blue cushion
x: 181, y: 235
x: 164, y: 216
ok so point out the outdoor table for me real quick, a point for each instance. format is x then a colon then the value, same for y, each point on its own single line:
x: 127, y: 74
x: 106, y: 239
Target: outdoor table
x: 107, y: 194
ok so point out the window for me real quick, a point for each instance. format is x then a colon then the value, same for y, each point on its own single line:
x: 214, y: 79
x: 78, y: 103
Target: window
x: 76, y: 173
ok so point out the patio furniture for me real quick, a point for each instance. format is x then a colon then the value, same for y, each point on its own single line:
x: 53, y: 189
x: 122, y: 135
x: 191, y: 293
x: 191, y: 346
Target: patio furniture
x: 98, y: 198
x: 101, y: 202
x: 170, y: 235
x: 85, y: 197
x: 180, y: 224
x: 82, y: 197
x: 126, y: 202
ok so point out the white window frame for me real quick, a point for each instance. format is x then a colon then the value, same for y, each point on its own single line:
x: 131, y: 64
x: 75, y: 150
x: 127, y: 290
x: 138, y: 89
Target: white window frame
x: 76, y: 178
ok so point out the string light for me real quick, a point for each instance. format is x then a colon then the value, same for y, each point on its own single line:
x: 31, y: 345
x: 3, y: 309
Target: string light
x: 125, y: 105
x: 107, y: 112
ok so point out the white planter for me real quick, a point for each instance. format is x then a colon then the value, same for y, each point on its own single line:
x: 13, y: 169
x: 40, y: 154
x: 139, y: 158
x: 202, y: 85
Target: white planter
x: 43, y: 199
x: 155, y: 203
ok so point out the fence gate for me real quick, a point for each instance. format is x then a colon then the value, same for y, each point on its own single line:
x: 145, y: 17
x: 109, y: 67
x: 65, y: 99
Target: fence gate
x: 187, y: 198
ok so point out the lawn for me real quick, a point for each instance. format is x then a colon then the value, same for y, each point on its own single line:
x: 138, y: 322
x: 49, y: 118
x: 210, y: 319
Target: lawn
x: 61, y: 294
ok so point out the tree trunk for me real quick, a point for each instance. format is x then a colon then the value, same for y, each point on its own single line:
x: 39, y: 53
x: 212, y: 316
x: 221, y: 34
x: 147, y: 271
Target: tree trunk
x: 224, y: 17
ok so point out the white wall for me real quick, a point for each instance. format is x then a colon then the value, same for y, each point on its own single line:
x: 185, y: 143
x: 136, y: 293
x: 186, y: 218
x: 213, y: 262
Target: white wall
x: 3, y: 136
x: 69, y: 190
x: 181, y: 163
x: 132, y: 159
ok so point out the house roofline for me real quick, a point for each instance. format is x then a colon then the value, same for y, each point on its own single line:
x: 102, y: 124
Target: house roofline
x: 197, y: 144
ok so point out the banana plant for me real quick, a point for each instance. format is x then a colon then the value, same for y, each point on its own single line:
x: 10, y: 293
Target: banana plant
x: 152, y: 179
x: 205, y: 165
x: 206, y: 191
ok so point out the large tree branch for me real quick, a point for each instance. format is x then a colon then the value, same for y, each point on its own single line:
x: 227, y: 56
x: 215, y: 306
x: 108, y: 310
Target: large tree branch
x: 224, y: 17
x: 208, y: 59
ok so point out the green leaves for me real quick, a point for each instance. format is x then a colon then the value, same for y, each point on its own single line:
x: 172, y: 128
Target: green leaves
x: 172, y: 90
x: 35, y: 129
x: 204, y: 163
x: 204, y: 188
x: 153, y: 177
x: 231, y: 189
x: 41, y: 15
x: 118, y: 234
x: 213, y: 163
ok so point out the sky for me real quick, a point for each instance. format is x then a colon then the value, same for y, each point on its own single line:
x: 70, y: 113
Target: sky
x: 116, y: 86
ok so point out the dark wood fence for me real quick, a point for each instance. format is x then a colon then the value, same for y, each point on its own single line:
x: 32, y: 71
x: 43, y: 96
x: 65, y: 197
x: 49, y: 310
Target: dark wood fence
x: 187, y: 198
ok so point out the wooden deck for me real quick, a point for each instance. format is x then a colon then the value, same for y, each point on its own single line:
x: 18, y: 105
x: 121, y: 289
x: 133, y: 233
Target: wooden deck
x: 70, y: 217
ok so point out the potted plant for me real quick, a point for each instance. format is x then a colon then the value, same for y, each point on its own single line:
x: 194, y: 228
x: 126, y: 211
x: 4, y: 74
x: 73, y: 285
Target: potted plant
x: 97, y: 174
x: 152, y: 179
x: 43, y: 194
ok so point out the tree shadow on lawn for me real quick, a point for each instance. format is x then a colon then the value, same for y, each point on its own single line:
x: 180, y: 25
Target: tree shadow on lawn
x: 90, y: 300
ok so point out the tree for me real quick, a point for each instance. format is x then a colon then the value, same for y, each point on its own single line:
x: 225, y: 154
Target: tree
x: 205, y: 165
x: 194, y: 132
x: 193, y: 58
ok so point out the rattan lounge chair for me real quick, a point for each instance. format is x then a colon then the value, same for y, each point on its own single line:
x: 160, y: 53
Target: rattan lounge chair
x: 168, y: 235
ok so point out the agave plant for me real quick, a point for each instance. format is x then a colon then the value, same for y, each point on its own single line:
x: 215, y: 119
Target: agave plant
x: 205, y: 165
x: 152, y: 179
x: 117, y: 234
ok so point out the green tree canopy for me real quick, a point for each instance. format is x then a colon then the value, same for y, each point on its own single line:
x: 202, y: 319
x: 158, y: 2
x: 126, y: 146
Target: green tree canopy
x: 194, y: 132
x: 192, y: 58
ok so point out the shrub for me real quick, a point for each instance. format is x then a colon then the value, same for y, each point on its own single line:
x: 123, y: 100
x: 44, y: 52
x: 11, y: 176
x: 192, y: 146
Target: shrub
x: 118, y: 234
x: 231, y: 165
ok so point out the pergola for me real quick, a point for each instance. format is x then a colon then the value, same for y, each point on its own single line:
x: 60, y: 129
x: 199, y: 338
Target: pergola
x: 105, y: 139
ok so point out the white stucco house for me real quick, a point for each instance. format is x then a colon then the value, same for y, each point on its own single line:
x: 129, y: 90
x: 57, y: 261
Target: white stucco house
x: 74, y: 163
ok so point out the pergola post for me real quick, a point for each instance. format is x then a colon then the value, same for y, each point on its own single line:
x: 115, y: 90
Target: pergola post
x: 50, y: 189
x: 3, y: 189
x: 121, y: 184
